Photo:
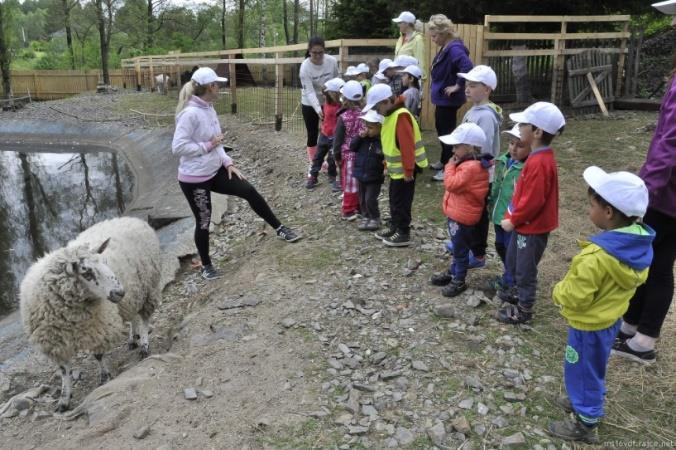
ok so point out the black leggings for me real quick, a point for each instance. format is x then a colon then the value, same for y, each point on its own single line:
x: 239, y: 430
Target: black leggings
x: 650, y: 305
x: 199, y: 198
x: 311, y: 119
x: 445, y: 118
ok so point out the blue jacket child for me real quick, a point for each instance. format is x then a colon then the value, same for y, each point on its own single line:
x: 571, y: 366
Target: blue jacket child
x: 370, y: 162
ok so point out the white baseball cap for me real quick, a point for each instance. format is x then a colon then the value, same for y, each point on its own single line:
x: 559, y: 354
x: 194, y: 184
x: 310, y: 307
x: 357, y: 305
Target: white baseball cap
x: 334, y: 84
x: 377, y: 94
x: 363, y: 68
x: 624, y: 190
x: 403, y: 61
x: 466, y: 133
x: 372, y: 117
x: 514, y: 132
x: 481, y: 74
x: 384, y: 64
x: 352, y: 90
x: 380, y: 76
x: 406, y: 16
x: 206, y: 75
x: 351, y: 71
x: 543, y: 115
x: 667, y: 7
x: 413, y: 71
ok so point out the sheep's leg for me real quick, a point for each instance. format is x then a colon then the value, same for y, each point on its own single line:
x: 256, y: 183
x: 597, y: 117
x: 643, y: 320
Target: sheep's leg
x: 133, y: 335
x: 104, y: 373
x: 145, y: 340
x: 66, y: 388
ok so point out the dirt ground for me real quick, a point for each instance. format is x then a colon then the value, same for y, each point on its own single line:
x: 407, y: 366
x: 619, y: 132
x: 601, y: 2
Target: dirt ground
x: 335, y: 341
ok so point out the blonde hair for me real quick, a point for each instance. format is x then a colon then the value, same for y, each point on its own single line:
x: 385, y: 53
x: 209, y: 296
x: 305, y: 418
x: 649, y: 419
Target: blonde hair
x: 439, y: 23
x: 188, y: 90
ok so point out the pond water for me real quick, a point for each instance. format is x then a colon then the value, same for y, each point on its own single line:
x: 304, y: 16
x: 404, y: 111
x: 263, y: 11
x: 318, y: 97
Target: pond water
x: 47, y: 198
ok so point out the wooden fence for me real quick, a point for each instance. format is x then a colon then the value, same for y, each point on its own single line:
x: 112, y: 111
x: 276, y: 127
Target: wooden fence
x: 56, y: 84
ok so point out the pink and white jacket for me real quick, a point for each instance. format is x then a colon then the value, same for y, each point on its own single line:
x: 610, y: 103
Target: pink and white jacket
x: 196, y: 124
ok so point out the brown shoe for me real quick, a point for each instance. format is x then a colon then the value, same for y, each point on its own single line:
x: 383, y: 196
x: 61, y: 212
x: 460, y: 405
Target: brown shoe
x: 573, y: 430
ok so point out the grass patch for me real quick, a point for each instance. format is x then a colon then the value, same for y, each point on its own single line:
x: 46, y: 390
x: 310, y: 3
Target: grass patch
x: 310, y: 434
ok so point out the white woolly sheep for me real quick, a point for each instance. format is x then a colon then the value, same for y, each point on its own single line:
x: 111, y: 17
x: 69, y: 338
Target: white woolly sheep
x: 77, y: 298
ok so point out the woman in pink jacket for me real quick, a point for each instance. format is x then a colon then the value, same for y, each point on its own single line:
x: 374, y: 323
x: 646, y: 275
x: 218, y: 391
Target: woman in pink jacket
x: 205, y: 167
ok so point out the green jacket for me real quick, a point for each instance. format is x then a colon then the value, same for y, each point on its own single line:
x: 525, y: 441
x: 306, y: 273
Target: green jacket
x: 503, y: 186
x: 604, y: 276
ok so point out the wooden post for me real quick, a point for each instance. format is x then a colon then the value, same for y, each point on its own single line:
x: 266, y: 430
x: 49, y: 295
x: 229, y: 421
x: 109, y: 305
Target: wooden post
x: 597, y: 94
x: 233, y: 85
x: 620, y: 62
x: 558, y: 65
x: 279, y: 86
x: 343, y: 53
x: 137, y: 69
x: 36, y: 85
x: 152, y: 74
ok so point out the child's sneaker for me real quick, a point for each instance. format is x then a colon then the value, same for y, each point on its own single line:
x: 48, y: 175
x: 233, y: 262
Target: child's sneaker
x: 621, y: 337
x: 514, y: 315
x: 335, y: 185
x: 509, y: 295
x: 373, y: 225
x: 573, y: 430
x: 385, y: 234
x: 454, y: 288
x: 448, y: 246
x: 441, y: 278
x: 436, y: 166
x: 208, y: 272
x: 439, y: 176
x: 476, y: 262
x: 287, y: 234
x: 350, y: 216
x: 398, y: 239
x: 363, y: 223
x: 623, y: 350
x: 311, y: 182
x: 563, y: 401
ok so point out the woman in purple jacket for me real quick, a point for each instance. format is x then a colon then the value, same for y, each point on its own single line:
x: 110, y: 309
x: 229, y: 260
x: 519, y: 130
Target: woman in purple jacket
x: 205, y: 167
x: 447, y: 91
x: 648, y: 308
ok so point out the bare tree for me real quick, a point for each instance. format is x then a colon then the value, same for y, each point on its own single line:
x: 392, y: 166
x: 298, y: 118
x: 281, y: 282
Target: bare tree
x: 104, y: 19
x: 296, y: 10
x: 34, y: 232
x: 285, y: 20
x: 312, y: 16
x: 68, y: 6
x: 5, y: 57
x: 153, y: 24
x: 240, y: 25
x: 223, y: 12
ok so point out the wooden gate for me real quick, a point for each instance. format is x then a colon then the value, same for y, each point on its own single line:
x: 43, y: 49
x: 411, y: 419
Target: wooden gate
x: 590, y: 80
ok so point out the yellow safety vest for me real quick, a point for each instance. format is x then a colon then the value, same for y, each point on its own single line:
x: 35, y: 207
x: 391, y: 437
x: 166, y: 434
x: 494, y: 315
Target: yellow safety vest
x: 388, y: 138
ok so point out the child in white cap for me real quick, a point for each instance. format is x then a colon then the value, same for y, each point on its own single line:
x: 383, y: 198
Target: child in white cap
x: 369, y: 169
x: 595, y: 293
x: 508, y: 167
x: 379, y: 77
x: 363, y: 77
x: 411, y: 76
x: 348, y: 127
x: 466, y: 188
x: 534, y: 210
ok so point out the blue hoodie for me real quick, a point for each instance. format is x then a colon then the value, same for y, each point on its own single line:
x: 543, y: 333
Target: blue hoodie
x: 450, y: 60
x: 632, y: 249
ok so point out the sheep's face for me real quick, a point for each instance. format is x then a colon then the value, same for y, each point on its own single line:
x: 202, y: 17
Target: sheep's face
x: 96, y: 277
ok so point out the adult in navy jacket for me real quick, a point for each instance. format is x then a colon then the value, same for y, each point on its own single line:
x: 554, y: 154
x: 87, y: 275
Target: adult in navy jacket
x: 447, y: 90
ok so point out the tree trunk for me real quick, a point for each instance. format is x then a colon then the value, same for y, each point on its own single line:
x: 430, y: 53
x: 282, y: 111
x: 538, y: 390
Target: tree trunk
x: 104, y: 42
x: 69, y: 32
x: 149, y: 25
x: 296, y: 8
x: 521, y: 81
x: 240, y: 26
x: 285, y: 20
x: 223, y: 42
x: 312, y: 16
x: 4, y: 51
x: 34, y: 232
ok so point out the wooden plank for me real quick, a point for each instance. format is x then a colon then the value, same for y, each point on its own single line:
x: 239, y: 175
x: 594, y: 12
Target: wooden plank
x: 279, y: 84
x: 553, y: 36
x: 597, y: 94
x: 488, y: 19
x: 480, y: 33
x: 620, y: 62
x: 546, y: 52
x: 584, y: 92
x: 583, y: 71
x: 233, y: 87
x: 343, y: 53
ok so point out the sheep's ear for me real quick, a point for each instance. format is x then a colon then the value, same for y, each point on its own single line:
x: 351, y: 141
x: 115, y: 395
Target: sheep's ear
x: 103, y: 246
x: 72, y: 268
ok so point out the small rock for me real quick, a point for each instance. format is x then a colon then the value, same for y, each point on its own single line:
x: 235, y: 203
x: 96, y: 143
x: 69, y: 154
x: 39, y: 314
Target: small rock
x: 39, y: 415
x: 461, y: 425
x: 515, y: 440
x: 142, y: 432
x: 482, y: 409
x: 21, y: 404
x: 479, y: 429
x: 507, y: 409
x: 499, y: 422
x: 419, y: 365
x: 345, y: 349
x: 378, y: 357
x: 390, y: 375
x: 190, y: 394
x: 363, y: 387
x: 473, y: 382
x: 437, y: 433
x: 343, y: 419
x: 473, y: 301
x: 514, y: 396
x: 369, y: 410
x: 357, y: 430
x: 447, y: 311
x: 466, y: 403
x: 288, y: 322
x: 404, y: 436
x: 206, y: 393
x: 335, y: 364
x: 262, y: 423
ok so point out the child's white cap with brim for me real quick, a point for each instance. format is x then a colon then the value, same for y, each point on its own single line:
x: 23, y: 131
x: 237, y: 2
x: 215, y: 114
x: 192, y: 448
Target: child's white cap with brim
x: 351, y: 71
x: 334, y: 84
x: 625, y: 191
x: 667, y: 7
x: 352, y: 90
x: 414, y: 71
x: 384, y: 64
x: 466, y: 133
x: 363, y: 68
x: 514, y: 132
x: 377, y: 94
x: 543, y: 115
x: 372, y: 117
x: 481, y: 74
x: 206, y: 75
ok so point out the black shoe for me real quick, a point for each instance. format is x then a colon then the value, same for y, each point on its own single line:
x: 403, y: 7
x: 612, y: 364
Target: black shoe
x: 311, y: 182
x: 441, y: 278
x: 509, y: 295
x: 398, y: 239
x: 385, y: 234
x: 287, y: 234
x: 454, y: 288
x: 623, y: 350
x: 621, y: 337
x: 564, y: 402
x: 209, y: 273
x: 514, y: 315
x: 573, y: 430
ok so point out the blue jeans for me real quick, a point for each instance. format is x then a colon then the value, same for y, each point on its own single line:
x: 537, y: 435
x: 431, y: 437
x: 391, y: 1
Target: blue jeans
x: 584, y: 370
x: 523, y: 255
x: 502, y: 239
x: 461, y: 237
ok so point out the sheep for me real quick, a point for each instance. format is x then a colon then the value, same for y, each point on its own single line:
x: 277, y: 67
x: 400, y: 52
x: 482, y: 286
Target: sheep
x: 79, y: 297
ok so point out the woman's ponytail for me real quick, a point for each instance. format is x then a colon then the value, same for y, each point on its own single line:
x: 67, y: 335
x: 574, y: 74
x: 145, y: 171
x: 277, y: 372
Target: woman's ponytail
x: 186, y: 92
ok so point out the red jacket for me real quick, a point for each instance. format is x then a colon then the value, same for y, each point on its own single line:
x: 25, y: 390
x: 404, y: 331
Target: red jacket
x: 466, y: 186
x: 535, y: 205
x: 330, y: 112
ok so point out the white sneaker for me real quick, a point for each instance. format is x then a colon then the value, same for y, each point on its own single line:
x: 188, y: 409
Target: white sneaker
x: 439, y: 176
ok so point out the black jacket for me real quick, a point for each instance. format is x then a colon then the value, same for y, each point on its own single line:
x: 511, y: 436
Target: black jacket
x: 370, y: 162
